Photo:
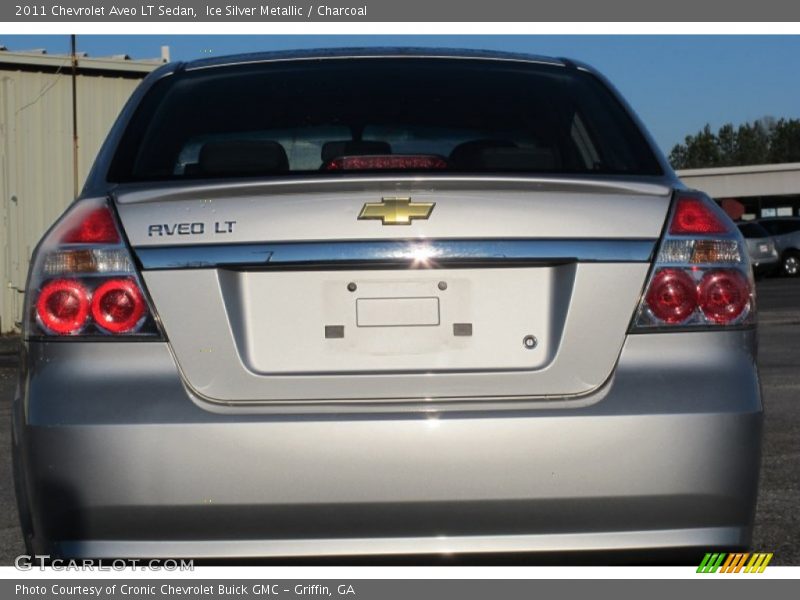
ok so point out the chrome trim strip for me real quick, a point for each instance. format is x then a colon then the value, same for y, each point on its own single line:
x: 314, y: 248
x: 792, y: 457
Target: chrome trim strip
x: 409, y: 253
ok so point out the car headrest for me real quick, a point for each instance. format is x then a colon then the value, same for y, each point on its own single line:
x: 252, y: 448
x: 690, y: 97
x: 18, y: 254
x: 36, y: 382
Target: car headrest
x: 518, y: 159
x: 469, y: 155
x: 243, y: 157
x: 331, y: 150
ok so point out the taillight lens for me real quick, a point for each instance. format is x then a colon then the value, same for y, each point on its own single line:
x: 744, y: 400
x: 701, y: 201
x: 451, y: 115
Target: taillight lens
x: 694, y: 215
x: 702, y: 275
x: 83, y: 280
x: 118, y: 305
x: 63, y: 306
x: 672, y: 296
x: 97, y: 227
x: 723, y: 295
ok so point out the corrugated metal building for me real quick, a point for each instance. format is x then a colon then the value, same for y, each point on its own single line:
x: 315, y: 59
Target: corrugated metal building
x: 753, y: 191
x: 36, y: 147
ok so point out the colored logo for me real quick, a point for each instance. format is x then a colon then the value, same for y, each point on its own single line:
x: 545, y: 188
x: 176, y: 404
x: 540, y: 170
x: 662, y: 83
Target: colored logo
x: 396, y: 211
x: 737, y: 562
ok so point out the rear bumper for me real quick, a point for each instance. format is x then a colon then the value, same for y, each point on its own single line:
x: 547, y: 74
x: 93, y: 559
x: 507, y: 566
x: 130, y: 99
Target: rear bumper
x: 118, y: 460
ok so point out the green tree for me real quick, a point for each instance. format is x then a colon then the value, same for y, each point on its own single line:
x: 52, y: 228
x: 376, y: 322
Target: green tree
x: 678, y: 157
x: 752, y: 144
x: 699, y: 149
x: 726, y: 140
x: 785, y: 141
x: 766, y: 140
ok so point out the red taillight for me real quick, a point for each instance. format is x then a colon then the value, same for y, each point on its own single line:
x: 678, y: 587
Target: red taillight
x: 63, y: 306
x: 97, y: 227
x: 723, y: 295
x: 83, y: 280
x: 357, y: 163
x: 695, y: 216
x: 672, y: 296
x: 702, y: 276
x: 118, y: 305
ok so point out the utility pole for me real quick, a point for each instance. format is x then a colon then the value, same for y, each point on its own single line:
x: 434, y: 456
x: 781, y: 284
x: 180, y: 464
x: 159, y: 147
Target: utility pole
x: 74, y: 57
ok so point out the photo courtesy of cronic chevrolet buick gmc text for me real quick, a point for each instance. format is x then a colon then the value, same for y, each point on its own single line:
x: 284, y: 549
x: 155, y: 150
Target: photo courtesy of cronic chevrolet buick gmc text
x: 385, y: 302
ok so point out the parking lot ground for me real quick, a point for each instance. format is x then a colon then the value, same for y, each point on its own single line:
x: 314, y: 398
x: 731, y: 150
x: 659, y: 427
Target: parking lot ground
x: 777, y: 527
x: 777, y: 524
x: 10, y: 537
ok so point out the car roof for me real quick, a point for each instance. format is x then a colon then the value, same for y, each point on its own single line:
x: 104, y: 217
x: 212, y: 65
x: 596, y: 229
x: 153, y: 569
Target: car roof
x: 383, y: 52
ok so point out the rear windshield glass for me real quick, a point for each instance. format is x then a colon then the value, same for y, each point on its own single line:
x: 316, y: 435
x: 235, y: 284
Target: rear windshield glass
x: 324, y: 117
x: 753, y: 230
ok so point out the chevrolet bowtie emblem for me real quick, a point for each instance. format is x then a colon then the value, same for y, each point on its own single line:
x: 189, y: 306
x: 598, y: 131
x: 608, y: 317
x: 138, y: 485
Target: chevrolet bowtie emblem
x: 396, y: 211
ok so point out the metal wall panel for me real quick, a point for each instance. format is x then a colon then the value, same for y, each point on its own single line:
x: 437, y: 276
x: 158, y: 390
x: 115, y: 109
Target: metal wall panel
x: 751, y: 181
x: 36, y: 172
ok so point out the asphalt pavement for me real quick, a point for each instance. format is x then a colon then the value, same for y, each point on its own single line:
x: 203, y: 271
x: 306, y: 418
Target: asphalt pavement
x: 10, y: 537
x: 777, y: 525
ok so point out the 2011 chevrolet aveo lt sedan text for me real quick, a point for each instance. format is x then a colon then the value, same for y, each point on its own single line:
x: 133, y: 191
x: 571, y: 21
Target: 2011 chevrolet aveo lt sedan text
x: 385, y: 301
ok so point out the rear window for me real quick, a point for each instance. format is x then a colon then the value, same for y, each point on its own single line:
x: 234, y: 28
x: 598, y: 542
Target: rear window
x: 324, y: 117
x: 753, y: 230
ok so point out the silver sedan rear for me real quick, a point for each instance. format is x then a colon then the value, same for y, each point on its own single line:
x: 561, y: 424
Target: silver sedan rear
x: 391, y: 302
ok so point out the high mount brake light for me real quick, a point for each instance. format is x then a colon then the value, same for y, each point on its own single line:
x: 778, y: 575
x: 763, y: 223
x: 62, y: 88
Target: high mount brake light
x: 388, y: 161
x: 702, y: 275
x: 83, y: 281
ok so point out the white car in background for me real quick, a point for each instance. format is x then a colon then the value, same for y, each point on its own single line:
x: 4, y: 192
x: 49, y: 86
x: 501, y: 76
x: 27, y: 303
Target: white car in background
x: 761, y: 247
x: 785, y: 232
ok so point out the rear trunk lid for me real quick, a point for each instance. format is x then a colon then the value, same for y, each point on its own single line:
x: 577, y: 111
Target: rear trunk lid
x: 511, y: 287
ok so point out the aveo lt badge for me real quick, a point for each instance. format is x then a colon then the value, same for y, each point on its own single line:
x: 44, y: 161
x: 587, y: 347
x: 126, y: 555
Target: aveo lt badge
x: 396, y: 211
